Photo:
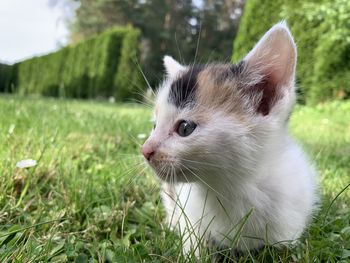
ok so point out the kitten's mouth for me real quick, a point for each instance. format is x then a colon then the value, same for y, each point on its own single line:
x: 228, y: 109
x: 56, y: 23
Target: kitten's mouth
x: 170, y: 169
x: 162, y: 163
x: 170, y: 172
x: 172, y: 177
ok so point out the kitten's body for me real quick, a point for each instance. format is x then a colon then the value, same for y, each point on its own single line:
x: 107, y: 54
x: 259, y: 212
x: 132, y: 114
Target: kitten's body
x: 280, y: 208
x: 236, y: 172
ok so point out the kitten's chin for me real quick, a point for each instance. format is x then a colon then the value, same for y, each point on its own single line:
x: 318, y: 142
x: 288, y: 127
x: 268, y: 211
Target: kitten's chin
x: 172, y: 175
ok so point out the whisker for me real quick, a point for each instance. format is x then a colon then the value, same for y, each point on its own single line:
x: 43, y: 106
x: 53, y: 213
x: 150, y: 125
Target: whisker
x: 133, y: 169
x: 184, y: 175
x: 135, y: 140
x: 143, y: 74
x: 202, y: 163
x: 178, y: 49
x: 134, y: 177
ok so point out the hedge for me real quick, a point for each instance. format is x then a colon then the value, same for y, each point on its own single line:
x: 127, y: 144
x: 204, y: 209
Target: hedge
x: 129, y: 78
x: 5, y: 77
x: 322, y: 32
x: 102, y: 66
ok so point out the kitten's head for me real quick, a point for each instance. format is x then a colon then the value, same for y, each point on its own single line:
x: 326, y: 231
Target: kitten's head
x: 216, y: 118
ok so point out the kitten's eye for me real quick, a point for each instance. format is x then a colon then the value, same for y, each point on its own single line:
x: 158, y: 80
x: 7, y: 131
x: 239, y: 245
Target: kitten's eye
x: 154, y: 126
x: 185, y: 128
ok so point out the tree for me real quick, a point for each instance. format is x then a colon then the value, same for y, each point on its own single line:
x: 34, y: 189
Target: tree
x: 321, y: 30
x: 168, y: 27
x: 218, y: 26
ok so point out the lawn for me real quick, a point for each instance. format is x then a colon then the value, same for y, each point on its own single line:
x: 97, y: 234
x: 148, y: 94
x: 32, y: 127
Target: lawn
x: 90, y: 198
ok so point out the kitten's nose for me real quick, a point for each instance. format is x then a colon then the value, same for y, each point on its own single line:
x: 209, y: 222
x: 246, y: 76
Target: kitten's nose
x: 147, y: 151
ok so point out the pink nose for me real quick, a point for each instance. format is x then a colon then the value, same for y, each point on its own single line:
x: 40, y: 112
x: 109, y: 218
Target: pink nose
x: 147, y: 151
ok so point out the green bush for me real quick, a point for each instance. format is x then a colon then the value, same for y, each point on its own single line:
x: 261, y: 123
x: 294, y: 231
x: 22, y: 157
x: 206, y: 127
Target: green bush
x: 90, y: 69
x: 322, y: 32
x: 128, y: 78
x: 6, y: 77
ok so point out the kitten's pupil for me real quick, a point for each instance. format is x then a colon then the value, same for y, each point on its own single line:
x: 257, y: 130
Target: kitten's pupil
x: 185, y: 128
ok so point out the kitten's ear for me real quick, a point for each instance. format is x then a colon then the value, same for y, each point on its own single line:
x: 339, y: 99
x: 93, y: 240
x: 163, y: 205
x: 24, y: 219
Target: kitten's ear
x: 271, y: 64
x: 172, y: 67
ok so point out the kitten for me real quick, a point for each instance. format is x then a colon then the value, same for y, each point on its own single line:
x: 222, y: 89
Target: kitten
x: 222, y: 151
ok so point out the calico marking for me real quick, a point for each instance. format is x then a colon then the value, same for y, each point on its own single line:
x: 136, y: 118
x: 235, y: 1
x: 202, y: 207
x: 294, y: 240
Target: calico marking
x: 183, y: 89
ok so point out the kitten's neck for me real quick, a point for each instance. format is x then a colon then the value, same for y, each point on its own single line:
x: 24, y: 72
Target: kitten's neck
x: 232, y: 183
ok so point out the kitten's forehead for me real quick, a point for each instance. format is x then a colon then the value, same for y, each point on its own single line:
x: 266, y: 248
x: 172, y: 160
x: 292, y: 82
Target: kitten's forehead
x: 203, y: 85
x: 183, y: 89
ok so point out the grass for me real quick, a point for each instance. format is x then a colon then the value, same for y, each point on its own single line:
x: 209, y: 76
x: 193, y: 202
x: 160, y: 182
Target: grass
x: 89, y: 200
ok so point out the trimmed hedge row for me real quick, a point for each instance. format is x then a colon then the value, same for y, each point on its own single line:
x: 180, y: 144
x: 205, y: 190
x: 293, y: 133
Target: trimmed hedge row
x: 321, y: 30
x: 129, y: 78
x: 5, y: 78
x: 102, y: 66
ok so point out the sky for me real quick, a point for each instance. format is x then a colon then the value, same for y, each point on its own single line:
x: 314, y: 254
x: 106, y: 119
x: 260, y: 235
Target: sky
x: 29, y: 28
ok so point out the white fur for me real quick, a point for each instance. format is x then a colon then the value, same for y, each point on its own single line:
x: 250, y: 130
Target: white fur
x: 227, y: 169
x: 172, y: 67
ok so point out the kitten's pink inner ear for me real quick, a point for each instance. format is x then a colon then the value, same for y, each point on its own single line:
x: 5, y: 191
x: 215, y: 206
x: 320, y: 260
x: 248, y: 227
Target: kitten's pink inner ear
x: 271, y: 65
x: 274, y: 56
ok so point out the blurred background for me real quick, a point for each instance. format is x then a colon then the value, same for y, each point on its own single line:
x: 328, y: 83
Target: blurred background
x: 200, y: 31
x: 183, y: 29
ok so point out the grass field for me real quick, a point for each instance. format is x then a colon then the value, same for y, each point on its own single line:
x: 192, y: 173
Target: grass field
x: 89, y: 199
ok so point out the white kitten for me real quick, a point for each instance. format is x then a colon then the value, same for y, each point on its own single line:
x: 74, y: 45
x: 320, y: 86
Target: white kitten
x: 222, y: 151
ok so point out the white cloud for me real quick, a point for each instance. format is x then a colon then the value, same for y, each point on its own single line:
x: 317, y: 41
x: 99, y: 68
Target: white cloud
x: 29, y: 28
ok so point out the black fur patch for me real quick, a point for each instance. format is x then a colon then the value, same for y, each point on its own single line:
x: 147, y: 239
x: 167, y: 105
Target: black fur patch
x: 183, y: 89
x: 237, y: 69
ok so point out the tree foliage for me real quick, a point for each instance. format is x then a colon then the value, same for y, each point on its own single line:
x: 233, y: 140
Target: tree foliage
x: 218, y: 25
x: 167, y: 26
x: 329, y: 76
x: 321, y: 30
